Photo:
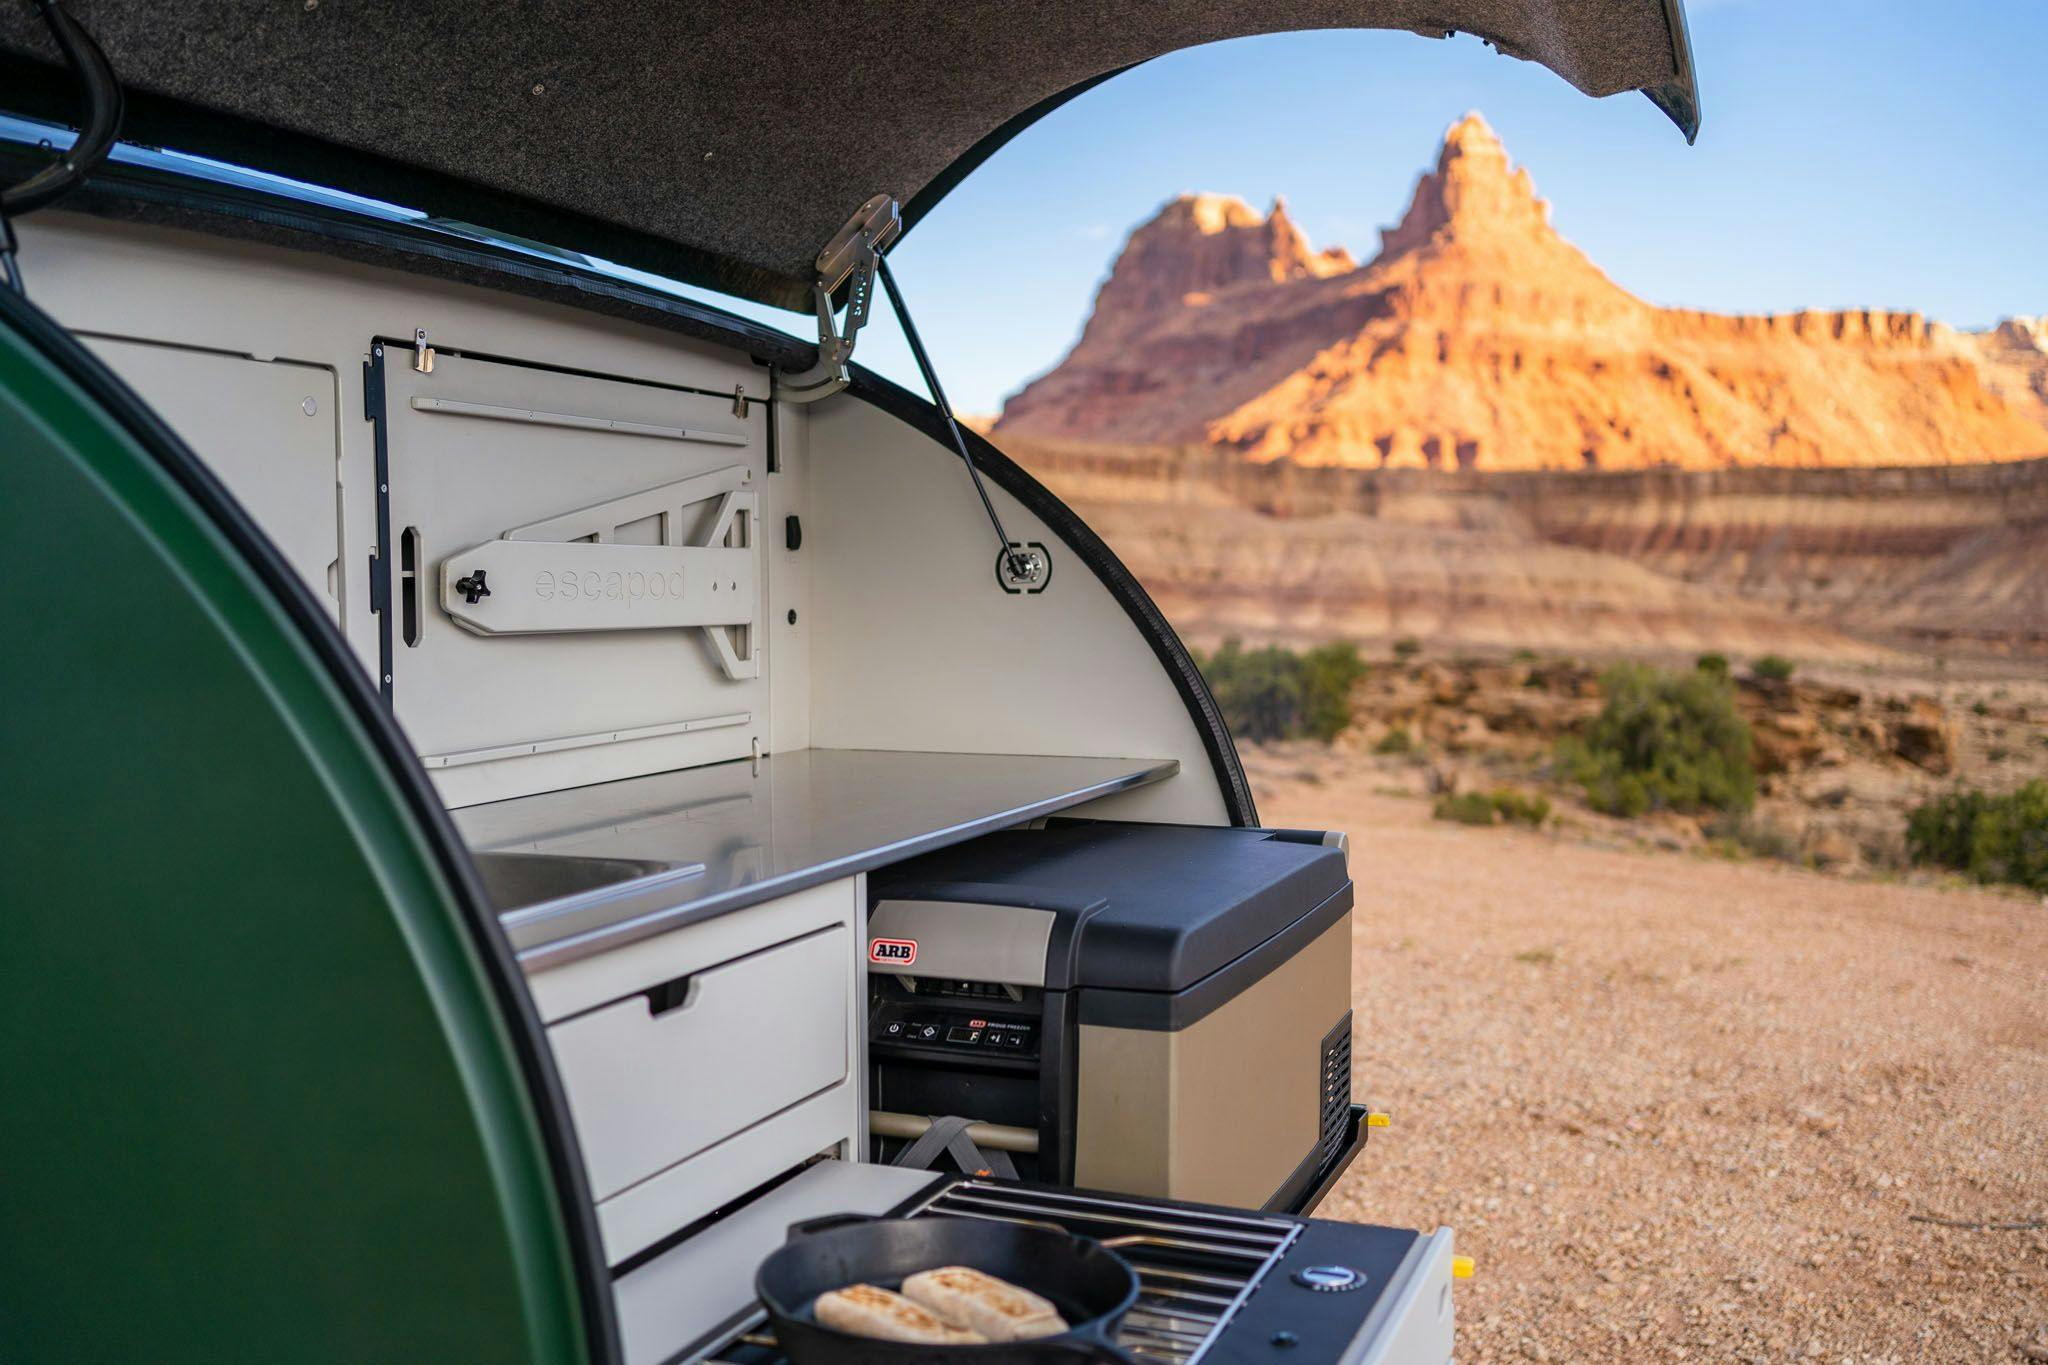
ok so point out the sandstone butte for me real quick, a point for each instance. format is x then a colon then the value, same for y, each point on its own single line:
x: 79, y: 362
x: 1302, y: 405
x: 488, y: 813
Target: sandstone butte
x: 1480, y: 338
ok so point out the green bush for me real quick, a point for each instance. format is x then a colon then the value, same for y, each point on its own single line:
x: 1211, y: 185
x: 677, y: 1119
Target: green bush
x: 1520, y: 809
x: 1501, y: 806
x: 1467, y: 808
x: 1395, y: 741
x: 1329, y: 672
x: 1663, y: 740
x: 1407, y: 647
x: 1712, y: 663
x: 1774, y: 668
x: 1990, y: 838
x: 1276, y: 693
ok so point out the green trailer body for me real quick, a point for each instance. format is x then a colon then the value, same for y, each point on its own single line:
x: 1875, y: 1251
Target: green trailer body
x: 259, y: 1096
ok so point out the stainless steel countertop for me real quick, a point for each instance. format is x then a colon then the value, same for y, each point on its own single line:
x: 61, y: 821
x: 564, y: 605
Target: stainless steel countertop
x: 806, y: 817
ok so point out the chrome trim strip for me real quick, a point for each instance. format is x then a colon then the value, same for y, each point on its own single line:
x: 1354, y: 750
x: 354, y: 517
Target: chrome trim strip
x: 1105, y: 1213
x: 1089, y: 1201
x: 463, y: 757
x: 499, y: 412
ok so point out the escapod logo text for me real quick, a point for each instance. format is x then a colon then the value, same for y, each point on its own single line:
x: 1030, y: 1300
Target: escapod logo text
x: 893, y: 952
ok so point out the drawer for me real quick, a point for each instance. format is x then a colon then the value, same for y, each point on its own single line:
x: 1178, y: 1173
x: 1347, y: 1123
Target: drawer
x: 658, y: 1077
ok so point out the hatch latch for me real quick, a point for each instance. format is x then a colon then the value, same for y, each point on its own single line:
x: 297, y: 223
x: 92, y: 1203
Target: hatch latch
x: 848, y: 261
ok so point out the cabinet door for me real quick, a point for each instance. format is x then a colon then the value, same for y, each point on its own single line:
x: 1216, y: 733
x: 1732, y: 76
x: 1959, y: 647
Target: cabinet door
x: 479, y: 449
x: 266, y: 427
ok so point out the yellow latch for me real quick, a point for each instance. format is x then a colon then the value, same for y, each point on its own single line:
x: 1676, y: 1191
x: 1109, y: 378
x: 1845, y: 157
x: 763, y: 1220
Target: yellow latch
x: 1461, y: 1267
x: 1375, y: 1119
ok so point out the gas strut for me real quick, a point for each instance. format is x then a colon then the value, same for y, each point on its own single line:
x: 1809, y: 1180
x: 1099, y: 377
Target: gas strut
x: 102, y: 124
x: 1020, y: 563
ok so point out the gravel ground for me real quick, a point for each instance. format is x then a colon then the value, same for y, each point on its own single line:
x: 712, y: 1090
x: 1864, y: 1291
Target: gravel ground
x: 1679, y: 1108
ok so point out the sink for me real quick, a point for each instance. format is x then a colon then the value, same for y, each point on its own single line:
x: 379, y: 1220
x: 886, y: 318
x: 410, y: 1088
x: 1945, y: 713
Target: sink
x: 514, y: 880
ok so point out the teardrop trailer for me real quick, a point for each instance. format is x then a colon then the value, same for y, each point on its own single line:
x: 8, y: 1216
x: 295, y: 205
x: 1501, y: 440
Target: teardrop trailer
x: 525, y: 787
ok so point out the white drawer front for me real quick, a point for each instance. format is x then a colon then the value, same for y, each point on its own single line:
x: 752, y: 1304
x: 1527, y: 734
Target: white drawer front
x: 753, y: 1037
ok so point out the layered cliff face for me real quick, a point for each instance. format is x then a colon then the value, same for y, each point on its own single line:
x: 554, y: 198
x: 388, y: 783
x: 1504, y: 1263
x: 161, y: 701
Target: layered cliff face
x: 1870, y: 565
x: 1479, y: 338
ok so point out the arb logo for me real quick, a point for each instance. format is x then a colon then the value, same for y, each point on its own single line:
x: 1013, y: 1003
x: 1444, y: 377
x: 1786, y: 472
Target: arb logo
x: 893, y: 952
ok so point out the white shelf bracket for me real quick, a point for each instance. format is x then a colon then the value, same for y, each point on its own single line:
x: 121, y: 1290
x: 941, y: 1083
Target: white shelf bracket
x: 572, y: 573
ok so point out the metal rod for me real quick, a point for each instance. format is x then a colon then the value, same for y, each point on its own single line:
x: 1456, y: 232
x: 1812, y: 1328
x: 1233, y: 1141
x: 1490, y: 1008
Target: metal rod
x: 1223, y: 1240
x: 1166, y: 1292
x: 931, y: 381
x: 1001, y: 1136
x: 1275, y: 1227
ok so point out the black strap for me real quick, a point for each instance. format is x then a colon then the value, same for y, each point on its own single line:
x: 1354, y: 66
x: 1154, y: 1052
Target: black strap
x: 931, y: 381
x: 949, y: 1134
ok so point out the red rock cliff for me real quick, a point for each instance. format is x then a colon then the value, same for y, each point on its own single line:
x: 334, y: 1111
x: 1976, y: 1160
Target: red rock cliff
x: 1480, y: 338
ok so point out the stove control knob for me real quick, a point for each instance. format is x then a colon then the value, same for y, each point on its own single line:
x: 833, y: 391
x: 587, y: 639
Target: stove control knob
x: 1329, y: 1279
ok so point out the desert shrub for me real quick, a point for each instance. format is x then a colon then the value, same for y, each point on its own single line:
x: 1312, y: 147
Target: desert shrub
x: 1395, y: 741
x: 1741, y: 835
x: 1277, y: 693
x: 1990, y: 838
x: 1519, y: 808
x: 1467, y: 808
x: 1501, y: 806
x: 1712, y: 663
x: 1524, y: 655
x: 1663, y: 740
x: 1407, y: 647
x: 1774, y: 668
x: 1329, y: 672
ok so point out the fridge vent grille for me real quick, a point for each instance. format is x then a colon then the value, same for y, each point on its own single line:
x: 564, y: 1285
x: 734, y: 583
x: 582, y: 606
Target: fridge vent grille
x: 1336, y: 1091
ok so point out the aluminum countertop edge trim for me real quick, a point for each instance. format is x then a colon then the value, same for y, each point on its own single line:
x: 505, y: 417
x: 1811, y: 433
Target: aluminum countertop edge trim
x: 661, y: 920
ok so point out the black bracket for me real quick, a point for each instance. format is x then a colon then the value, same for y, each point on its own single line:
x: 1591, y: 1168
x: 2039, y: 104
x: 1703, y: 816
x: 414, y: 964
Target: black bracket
x: 1024, y: 568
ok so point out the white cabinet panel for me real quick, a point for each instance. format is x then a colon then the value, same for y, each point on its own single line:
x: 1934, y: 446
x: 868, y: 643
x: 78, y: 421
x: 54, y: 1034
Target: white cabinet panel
x: 751, y: 1037
x: 481, y: 450
x: 266, y: 428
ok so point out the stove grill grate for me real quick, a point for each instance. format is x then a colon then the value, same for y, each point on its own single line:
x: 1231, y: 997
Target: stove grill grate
x: 1195, y: 1267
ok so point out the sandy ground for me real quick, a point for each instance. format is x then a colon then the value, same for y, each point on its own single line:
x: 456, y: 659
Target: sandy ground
x: 1679, y: 1108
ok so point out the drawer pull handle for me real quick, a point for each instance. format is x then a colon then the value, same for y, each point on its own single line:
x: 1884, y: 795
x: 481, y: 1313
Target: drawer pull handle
x: 670, y: 996
x: 409, y: 580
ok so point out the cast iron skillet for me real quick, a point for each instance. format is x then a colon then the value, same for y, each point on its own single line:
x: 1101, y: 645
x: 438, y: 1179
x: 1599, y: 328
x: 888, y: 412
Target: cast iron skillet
x: 1088, y: 1283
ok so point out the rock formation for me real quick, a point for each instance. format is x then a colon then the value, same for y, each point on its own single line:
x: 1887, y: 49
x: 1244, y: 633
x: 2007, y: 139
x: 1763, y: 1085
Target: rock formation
x: 2015, y: 359
x: 1479, y: 338
x: 1815, y: 563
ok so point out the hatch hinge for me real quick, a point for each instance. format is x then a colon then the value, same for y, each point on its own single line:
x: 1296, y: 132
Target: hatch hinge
x: 848, y: 261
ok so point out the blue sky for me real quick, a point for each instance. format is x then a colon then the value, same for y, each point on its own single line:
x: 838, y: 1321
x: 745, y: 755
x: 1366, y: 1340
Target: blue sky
x: 1884, y: 153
